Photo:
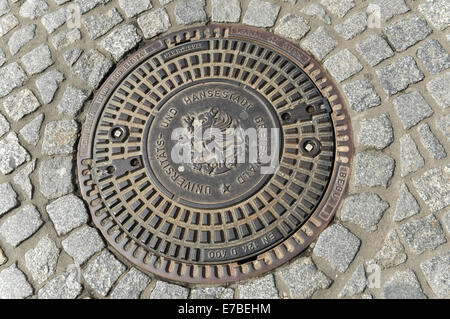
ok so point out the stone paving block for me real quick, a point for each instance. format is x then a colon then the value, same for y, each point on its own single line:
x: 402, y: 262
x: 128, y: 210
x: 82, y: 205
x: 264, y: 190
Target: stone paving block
x: 67, y: 213
x: 41, y: 260
x: 388, y: 8
x: 365, y: 210
x: 422, y: 234
x: 406, y: 32
x: 261, y: 13
x: 83, y: 244
x: 55, y: 177
x: 374, y: 49
x: 434, y: 187
x: 72, y: 101
x: 353, y: 26
x: 21, y: 37
x: 403, y: 285
x: 88, y: 5
x: 338, y: 7
x: 154, y: 23
x: 356, y: 284
x: 190, y: 11
x: 133, y: 8
x: 60, y: 137
x: 438, y: 88
x: 64, y: 286
x: 433, y: 56
x: 392, y: 253
x: 316, y: 10
x: 411, y: 108
x: 7, y: 23
x: 212, y: 293
x: 48, y: 84
x: 11, y: 77
x: 3, y: 258
x: 292, y: 26
x: 2, y: 57
x: 376, y: 132
x: 338, y: 246
x: 164, y: 2
x: 102, y: 272
x: 14, y: 284
x: 4, y: 7
x: 33, y: 9
x: 437, y: 274
x: 410, y: 158
x: 19, y: 104
x: 99, y: 24
x: 4, y: 125
x: 303, y: 279
x: 399, y: 75
x: 30, y: 132
x: 131, y: 285
x: 407, y: 205
x: 121, y: 40
x: 12, y: 153
x: 165, y: 290
x: 92, y: 68
x: 261, y: 288
x: 8, y: 198
x: 431, y: 142
x: 21, y: 226
x: 361, y: 95
x: 373, y: 169
x: 443, y: 124
x: 437, y: 12
x: 343, y: 65
x: 319, y: 43
x: 226, y: 11
x: 446, y: 221
x: 37, y: 60
x: 71, y: 56
x: 65, y: 38
x: 53, y: 20
x: 23, y: 180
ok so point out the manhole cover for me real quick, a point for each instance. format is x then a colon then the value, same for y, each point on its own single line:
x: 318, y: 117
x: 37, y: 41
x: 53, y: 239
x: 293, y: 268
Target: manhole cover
x: 164, y: 194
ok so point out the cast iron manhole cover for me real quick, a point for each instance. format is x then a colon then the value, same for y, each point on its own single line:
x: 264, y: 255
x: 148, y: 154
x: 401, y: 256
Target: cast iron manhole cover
x: 165, y: 196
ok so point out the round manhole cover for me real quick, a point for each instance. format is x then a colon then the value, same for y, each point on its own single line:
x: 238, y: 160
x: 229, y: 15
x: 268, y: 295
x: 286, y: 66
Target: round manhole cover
x: 215, y: 154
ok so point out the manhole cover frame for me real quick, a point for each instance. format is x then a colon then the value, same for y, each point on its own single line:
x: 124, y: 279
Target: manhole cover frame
x: 290, y: 247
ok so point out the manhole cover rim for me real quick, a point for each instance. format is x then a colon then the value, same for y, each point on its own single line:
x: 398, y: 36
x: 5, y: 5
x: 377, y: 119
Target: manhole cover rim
x: 290, y: 247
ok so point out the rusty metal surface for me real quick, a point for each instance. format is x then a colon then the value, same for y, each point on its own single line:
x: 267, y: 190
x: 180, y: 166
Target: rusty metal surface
x: 202, y: 223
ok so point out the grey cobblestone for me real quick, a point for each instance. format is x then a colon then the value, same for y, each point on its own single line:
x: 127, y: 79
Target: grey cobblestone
x: 65, y: 38
x: 438, y: 88
x: 392, y: 253
x: 338, y: 246
x: 433, y: 56
x: 121, y: 40
x: 67, y: 213
x: 434, y: 187
x: 411, y: 108
x: 53, y: 20
x: 407, y: 205
x: 133, y: 8
x: 4, y: 125
x: 261, y: 13
x: 343, y: 65
x: 131, y: 285
x: 422, y: 234
x: 11, y: 77
x: 292, y: 26
x: 212, y: 293
x: 431, y: 142
x: 376, y: 132
x: 399, y: 75
x: 406, y: 32
x: 389, y: 8
x: 2, y: 57
x: 190, y: 11
x: 154, y: 23
x: 13, y: 154
x: 303, y: 279
x: 92, y: 68
x: 229, y: 11
x: 14, y: 284
x: 21, y: 37
x: 41, y: 260
x: 102, y: 272
x: 33, y: 9
x: 353, y: 26
x: 165, y: 290
x: 71, y: 56
x: 365, y: 210
x: 30, y: 132
x: 361, y: 95
x: 437, y: 13
x: 261, y: 288
x: 338, y: 7
x: 7, y: 23
x: 316, y: 10
x: 374, y: 49
x: 4, y: 7
x: 373, y: 169
x: 19, y: 104
x: 72, y: 101
x: 446, y: 221
x: 23, y: 180
x: 3, y: 258
x: 8, y: 198
x: 319, y: 43
x: 22, y: 225
x: 37, y: 60
x: 437, y: 274
x: 64, y: 286
x: 99, y: 24
x: 55, y: 177
x: 443, y: 124
x: 83, y: 244
x: 356, y: 284
x: 48, y: 84
x: 410, y: 158
x: 164, y: 2
x: 88, y: 5
x: 403, y: 285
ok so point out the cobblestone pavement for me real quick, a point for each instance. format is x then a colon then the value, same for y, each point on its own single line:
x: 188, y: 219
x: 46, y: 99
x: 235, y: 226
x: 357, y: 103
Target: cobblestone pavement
x: 393, y: 71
